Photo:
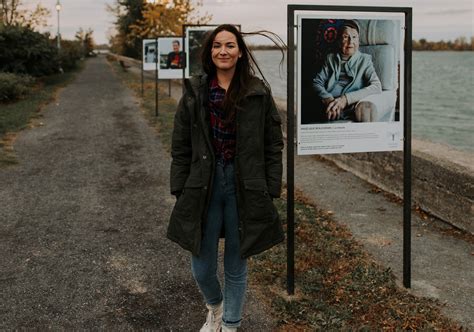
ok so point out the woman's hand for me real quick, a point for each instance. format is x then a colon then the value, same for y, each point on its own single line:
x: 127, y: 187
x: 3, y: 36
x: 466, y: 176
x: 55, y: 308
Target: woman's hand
x: 335, y: 107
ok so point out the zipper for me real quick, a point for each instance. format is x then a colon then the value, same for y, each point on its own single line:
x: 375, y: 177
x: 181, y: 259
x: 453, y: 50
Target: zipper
x: 204, y: 127
x: 237, y: 176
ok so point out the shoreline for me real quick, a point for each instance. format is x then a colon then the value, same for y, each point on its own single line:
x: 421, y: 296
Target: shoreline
x: 442, y: 176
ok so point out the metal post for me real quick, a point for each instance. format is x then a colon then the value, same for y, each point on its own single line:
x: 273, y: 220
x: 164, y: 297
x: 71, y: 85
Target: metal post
x: 290, y: 168
x: 156, y: 77
x: 143, y: 81
x: 142, y: 73
x: 407, y: 155
x: 58, y: 9
x: 58, y: 38
x: 184, y: 40
x: 59, y: 35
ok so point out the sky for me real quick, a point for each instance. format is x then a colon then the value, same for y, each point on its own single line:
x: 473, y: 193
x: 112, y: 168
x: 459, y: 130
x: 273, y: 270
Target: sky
x: 432, y: 19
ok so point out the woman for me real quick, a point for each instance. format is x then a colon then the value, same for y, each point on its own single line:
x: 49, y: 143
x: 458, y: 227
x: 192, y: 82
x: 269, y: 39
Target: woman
x: 227, y: 166
x: 347, y: 79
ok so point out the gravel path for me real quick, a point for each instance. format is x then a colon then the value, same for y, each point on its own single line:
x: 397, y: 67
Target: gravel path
x: 83, y: 219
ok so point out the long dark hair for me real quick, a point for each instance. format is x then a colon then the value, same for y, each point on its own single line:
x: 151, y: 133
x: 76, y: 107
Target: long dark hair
x: 245, y: 68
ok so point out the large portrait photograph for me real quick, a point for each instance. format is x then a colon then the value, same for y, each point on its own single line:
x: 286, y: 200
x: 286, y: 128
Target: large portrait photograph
x: 350, y: 81
x: 172, y: 58
x: 149, y: 54
x: 194, y: 40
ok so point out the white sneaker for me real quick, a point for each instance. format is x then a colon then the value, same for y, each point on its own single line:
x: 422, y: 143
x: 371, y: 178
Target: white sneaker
x: 228, y: 329
x: 214, y: 318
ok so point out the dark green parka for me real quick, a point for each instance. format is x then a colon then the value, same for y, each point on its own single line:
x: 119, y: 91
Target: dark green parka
x: 258, y: 168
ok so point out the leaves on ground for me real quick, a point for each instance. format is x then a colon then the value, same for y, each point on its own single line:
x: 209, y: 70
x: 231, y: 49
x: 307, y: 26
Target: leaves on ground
x: 338, y: 284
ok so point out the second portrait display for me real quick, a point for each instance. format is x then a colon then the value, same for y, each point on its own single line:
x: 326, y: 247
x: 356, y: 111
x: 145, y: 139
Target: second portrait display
x: 172, y: 58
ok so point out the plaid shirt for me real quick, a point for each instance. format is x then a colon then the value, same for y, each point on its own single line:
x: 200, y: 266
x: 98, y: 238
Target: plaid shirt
x: 223, y: 135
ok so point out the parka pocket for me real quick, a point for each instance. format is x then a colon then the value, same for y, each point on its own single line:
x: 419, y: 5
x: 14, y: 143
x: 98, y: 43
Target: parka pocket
x: 258, y: 203
x: 276, y: 117
x: 185, y: 221
x: 191, y: 199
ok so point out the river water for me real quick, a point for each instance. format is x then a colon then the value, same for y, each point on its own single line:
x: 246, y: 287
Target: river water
x: 442, y: 94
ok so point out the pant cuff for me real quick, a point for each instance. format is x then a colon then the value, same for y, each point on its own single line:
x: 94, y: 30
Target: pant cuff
x: 232, y: 323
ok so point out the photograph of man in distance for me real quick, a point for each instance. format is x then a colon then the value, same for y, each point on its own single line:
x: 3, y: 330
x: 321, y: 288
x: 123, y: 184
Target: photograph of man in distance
x: 174, y: 59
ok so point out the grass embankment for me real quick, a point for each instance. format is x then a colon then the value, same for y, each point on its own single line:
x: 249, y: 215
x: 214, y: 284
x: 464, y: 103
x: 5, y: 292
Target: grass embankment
x: 26, y: 112
x: 338, y: 285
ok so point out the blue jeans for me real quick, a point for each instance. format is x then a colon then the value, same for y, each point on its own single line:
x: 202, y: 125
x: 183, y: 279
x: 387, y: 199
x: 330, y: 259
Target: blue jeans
x: 222, y: 211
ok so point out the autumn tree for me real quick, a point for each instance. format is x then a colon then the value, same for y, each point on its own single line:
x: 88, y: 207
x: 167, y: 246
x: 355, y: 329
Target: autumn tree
x: 166, y: 17
x: 86, y: 40
x: 13, y: 13
x: 137, y: 19
x: 126, y: 12
x: 460, y: 43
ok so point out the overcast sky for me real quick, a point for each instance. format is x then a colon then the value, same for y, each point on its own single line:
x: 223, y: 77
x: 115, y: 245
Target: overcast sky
x: 432, y: 19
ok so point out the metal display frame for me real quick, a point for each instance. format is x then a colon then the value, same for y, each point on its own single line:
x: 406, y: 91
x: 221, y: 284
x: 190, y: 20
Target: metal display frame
x: 142, y: 52
x: 142, y: 74
x: 182, y: 45
x: 156, y: 72
x: 407, y: 49
x: 186, y: 40
x: 158, y: 56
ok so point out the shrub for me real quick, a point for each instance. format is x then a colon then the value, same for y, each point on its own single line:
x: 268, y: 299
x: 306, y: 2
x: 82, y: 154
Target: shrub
x: 71, y: 52
x: 13, y: 86
x: 24, y: 51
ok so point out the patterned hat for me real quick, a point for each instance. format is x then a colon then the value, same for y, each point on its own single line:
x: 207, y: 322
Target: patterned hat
x: 351, y: 24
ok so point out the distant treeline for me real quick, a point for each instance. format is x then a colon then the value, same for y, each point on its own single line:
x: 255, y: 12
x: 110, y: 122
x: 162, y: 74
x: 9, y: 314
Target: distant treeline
x: 459, y: 44
x: 102, y: 47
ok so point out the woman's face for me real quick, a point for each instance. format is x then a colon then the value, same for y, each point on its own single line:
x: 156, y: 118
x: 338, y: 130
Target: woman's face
x: 225, y: 51
x: 349, y: 41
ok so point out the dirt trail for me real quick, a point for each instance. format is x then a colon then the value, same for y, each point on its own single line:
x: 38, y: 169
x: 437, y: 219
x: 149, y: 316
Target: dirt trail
x: 83, y: 219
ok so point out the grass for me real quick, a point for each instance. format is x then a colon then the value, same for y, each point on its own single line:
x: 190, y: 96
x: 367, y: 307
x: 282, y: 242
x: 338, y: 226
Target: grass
x: 339, y: 286
x: 26, y: 112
